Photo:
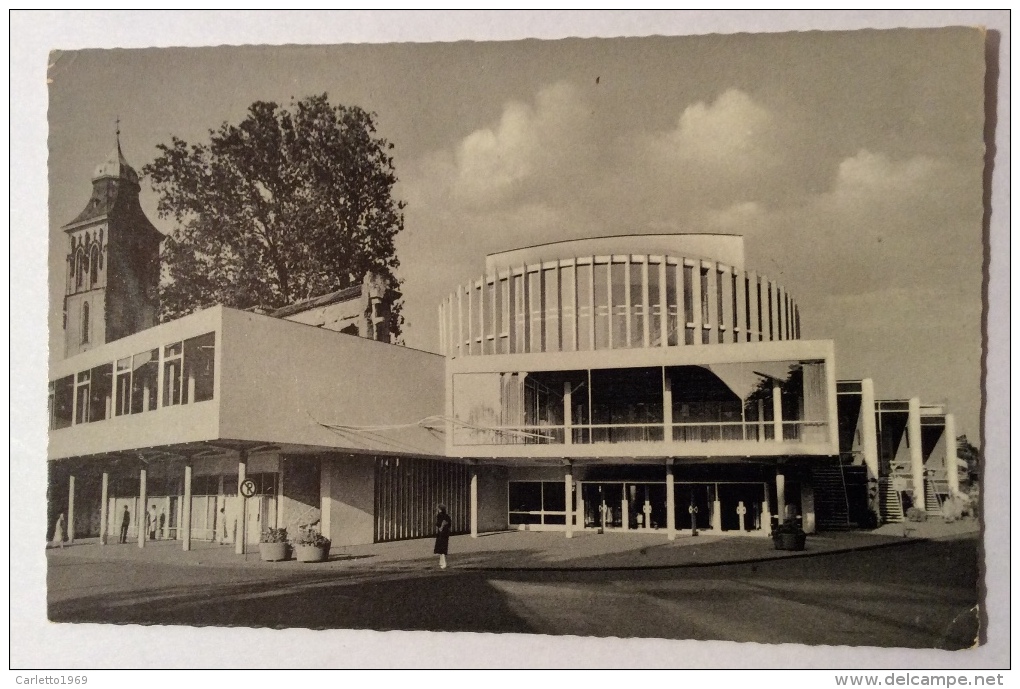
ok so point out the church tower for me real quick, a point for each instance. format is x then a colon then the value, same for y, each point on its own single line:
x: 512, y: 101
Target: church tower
x: 112, y: 263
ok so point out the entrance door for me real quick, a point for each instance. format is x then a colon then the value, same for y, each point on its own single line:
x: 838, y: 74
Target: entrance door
x: 603, y: 505
x: 699, y: 496
x: 734, y: 495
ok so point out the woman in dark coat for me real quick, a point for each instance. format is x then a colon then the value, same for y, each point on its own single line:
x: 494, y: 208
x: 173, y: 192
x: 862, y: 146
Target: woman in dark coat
x: 443, y: 526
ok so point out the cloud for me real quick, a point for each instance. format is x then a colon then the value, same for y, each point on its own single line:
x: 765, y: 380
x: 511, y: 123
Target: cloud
x: 530, y: 144
x: 731, y: 133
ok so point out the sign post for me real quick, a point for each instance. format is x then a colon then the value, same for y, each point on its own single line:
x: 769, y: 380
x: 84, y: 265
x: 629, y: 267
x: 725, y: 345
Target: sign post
x: 247, y: 490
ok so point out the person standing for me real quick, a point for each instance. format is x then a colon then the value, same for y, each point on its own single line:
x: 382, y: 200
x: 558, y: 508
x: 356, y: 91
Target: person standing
x: 58, y: 532
x: 125, y: 522
x: 150, y: 518
x: 443, y: 526
x: 162, y: 524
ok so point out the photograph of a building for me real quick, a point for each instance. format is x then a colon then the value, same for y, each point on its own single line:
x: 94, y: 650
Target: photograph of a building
x: 710, y: 320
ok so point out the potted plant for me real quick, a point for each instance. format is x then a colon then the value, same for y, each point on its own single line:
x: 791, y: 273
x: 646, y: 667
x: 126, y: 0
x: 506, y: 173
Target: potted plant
x: 788, y: 536
x: 273, y: 545
x: 311, y: 546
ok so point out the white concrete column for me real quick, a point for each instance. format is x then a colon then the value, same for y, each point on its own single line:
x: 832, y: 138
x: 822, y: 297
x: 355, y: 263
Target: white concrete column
x: 568, y: 409
x: 780, y: 495
x: 667, y: 407
x: 568, y: 503
x: 952, y: 473
x: 716, y: 510
x: 761, y: 420
x: 777, y: 412
x: 185, y: 524
x: 670, y: 502
x: 70, y: 510
x: 242, y: 474
x: 916, y: 459
x: 142, y: 509
x: 104, y: 510
x: 869, y: 431
x: 807, y: 507
x: 474, y: 502
x: 579, y: 507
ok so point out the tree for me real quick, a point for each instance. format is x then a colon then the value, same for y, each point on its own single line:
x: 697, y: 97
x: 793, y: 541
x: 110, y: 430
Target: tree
x: 290, y: 203
x: 966, y: 451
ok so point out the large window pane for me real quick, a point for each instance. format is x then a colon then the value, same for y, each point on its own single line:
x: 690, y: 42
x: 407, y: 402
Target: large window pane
x: 199, y: 362
x: 602, y: 306
x: 122, y: 387
x: 101, y: 392
x: 584, y: 311
x: 654, y: 306
x: 143, y: 381
x: 525, y: 496
x: 554, y: 496
x: 552, y: 309
x: 637, y: 308
x: 535, y: 309
x: 619, y: 305
x: 520, y: 315
x: 81, y: 397
x: 63, y: 402
x: 172, y: 369
x: 567, y: 294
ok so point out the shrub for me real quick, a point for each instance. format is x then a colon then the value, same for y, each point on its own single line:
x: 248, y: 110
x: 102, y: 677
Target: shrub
x: 916, y: 514
x: 787, y: 527
x: 273, y: 536
x: 309, y: 536
x: 954, y: 508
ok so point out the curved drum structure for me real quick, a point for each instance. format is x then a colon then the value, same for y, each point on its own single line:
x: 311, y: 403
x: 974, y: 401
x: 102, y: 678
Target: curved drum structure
x: 599, y: 294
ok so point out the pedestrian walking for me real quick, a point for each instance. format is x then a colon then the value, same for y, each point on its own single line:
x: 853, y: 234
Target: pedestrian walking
x: 58, y: 532
x: 125, y: 522
x: 443, y: 526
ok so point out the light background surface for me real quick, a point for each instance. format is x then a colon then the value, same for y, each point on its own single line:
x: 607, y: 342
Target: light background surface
x: 448, y: 153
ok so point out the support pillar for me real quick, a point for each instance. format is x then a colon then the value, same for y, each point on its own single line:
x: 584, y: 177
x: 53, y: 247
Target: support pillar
x: 716, y: 510
x: 240, y: 536
x: 568, y: 502
x: 579, y: 507
x: 916, y: 459
x: 780, y: 495
x: 667, y: 408
x: 142, y: 509
x: 474, y: 502
x: 568, y: 410
x: 807, y: 507
x: 952, y: 471
x: 70, y: 509
x: 670, y: 502
x: 104, y: 514
x: 868, y: 428
x: 186, y: 510
x: 777, y: 413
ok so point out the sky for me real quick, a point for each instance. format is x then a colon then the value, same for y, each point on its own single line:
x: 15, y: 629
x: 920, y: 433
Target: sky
x: 851, y: 162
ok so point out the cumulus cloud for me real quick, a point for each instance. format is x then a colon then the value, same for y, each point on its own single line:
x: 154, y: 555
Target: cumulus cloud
x: 732, y: 132
x: 529, y: 144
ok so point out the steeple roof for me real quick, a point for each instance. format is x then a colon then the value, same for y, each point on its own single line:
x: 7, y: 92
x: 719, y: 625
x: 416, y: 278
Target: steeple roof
x: 115, y: 166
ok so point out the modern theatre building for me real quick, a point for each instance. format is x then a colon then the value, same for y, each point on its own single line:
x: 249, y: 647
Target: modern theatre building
x: 640, y: 383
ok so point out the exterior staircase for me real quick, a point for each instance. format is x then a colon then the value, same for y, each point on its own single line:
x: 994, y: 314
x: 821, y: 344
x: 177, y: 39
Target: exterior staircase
x: 837, y: 487
x: 891, y: 505
x: 932, y: 504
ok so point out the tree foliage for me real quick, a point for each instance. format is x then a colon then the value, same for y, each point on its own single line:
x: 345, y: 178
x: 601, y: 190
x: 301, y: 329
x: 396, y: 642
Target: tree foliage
x: 290, y: 203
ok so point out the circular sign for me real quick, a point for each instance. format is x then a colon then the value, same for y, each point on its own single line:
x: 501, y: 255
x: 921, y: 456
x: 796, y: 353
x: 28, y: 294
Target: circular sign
x: 247, y: 488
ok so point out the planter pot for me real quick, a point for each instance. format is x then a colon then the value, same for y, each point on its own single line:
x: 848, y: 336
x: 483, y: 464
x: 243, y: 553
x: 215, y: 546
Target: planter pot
x: 789, y: 541
x: 273, y: 552
x: 310, y: 553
